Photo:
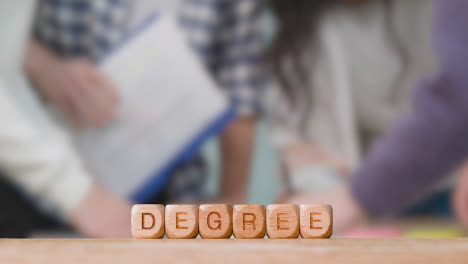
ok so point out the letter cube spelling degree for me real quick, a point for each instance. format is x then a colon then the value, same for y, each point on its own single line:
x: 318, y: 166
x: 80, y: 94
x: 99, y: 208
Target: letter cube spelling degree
x: 215, y: 221
x: 181, y: 221
x: 147, y: 221
x: 316, y: 220
x: 282, y: 221
x: 249, y: 221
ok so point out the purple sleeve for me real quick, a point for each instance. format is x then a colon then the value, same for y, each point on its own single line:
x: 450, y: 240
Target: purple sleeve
x: 432, y: 140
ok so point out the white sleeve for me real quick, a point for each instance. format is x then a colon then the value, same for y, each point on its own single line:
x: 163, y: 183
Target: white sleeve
x: 41, y: 161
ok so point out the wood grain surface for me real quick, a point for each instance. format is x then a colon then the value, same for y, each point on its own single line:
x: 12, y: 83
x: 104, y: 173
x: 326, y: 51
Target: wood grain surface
x: 362, y: 251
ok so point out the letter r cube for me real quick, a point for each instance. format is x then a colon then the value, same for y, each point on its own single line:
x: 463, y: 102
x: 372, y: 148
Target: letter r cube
x: 249, y: 221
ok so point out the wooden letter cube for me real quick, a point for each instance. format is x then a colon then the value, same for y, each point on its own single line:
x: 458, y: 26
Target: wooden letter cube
x: 147, y: 221
x: 249, y: 221
x: 181, y: 221
x: 215, y: 221
x: 282, y: 221
x: 316, y: 220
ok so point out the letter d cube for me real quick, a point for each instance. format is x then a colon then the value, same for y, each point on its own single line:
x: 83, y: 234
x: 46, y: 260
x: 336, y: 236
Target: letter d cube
x: 147, y: 221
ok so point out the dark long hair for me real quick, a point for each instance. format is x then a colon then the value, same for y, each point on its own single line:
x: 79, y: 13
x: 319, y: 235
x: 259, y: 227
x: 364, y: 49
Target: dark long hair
x: 297, y: 22
x: 297, y: 27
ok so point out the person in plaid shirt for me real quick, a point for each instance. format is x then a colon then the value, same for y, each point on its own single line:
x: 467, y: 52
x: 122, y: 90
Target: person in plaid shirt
x: 71, y: 35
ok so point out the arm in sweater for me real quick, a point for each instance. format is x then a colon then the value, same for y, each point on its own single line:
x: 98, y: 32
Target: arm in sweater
x: 40, y: 161
x: 431, y: 140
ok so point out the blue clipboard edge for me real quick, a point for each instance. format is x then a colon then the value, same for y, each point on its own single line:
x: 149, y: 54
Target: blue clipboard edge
x: 156, y: 183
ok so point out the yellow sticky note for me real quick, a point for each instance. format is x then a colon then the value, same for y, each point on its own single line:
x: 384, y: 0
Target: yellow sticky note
x: 448, y: 232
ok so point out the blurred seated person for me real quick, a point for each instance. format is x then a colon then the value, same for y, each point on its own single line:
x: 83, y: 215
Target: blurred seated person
x: 346, y: 71
x: 39, y: 168
x: 71, y: 36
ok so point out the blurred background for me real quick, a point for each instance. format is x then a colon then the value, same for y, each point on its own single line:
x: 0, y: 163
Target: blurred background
x: 357, y: 103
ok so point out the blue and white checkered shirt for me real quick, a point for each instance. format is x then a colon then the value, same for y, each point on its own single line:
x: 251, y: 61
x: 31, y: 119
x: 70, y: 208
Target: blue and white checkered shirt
x: 225, y: 33
x: 81, y: 27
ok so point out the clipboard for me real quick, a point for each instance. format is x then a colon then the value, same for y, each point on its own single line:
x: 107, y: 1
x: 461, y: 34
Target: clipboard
x: 158, y: 44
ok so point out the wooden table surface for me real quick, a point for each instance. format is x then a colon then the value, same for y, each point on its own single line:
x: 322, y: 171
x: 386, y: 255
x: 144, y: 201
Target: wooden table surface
x: 102, y: 251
